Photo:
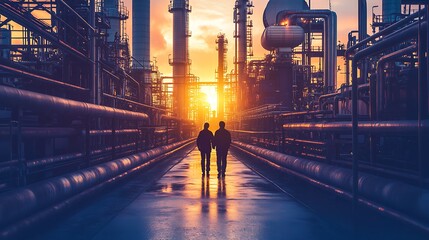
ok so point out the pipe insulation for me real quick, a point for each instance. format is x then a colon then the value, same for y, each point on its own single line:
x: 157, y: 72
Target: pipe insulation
x: 13, y: 97
x: 24, y: 202
x: 405, y: 198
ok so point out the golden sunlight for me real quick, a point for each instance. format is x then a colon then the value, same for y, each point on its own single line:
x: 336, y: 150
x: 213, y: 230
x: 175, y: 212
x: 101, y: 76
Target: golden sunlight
x: 211, y: 93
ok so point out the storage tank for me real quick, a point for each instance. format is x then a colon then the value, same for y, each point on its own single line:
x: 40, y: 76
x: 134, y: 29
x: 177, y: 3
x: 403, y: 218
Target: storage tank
x: 275, y: 6
x: 391, y: 10
x: 282, y: 37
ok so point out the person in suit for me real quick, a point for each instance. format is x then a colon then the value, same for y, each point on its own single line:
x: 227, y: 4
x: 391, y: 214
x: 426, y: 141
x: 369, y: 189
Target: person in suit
x: 204, y: 144
x: 222, y: 141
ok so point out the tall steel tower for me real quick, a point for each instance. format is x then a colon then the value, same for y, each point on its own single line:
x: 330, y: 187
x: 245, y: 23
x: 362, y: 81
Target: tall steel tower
x: 243, y: 43
x: 141, y: 48
x: 180, y: 62
x: 222, y: 48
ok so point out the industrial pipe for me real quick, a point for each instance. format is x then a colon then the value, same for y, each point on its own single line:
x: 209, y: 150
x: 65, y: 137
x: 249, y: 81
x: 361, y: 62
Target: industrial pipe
x: 364, y: 126
x: 11, y: 12
x: 380, y: 73
x: 385, y: 31
x: 30, y: 75
x: 383, y: 194
x: 388, y: 41
x: 22, y: 203
x: 13, y: 97
x: 329, y: 39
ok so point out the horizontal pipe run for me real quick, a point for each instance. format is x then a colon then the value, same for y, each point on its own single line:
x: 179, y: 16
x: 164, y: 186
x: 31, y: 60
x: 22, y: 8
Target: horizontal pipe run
x: 364, y: 126
x: 18, y: 228
x: 23, y: 202
x: 35, y: 132
x: 410, y: 201
x: 39, y: 78
x: 13, y: 97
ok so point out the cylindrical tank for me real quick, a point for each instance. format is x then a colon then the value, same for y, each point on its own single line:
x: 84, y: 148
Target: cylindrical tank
x: 282, y: 37
x: 141, y: 34
x: 275, y: 6
x: 391, y: 10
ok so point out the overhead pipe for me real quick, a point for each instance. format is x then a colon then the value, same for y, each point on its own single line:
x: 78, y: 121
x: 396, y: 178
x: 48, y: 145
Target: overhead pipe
x: 329, y: 40
x: 364, y: 126
x: 380, y: 72
x: 390, y: 29
x: 10, y: 12
x: 36, y: 77
x: 13, y: 97
x: 389, y: 41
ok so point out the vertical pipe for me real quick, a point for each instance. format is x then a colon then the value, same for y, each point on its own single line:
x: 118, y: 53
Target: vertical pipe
x: 91, y: 34
x: 355, y: 133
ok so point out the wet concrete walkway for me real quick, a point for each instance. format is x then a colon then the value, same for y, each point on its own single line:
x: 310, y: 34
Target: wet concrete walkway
x: 185, y: 205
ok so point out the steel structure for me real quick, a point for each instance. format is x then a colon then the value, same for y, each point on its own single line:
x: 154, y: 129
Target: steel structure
x: 222, y: 48
x: 243, y: 9
x: 68, y: 99
x: 180, y: 62
x: 375, y: 123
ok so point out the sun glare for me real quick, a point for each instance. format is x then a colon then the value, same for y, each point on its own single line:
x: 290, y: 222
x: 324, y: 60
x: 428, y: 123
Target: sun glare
x: 211, y: 94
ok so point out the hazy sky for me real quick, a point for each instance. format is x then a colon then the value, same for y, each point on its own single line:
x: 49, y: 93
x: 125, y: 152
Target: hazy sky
x: 209, y: 17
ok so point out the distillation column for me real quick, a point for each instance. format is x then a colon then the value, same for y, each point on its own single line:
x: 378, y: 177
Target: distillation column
x: 141, y: 48
x: 222, y: 43
x: 180, y: 62
x: 241, y: 11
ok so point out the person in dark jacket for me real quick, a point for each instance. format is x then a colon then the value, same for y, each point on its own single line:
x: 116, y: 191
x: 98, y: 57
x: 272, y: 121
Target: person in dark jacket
x: 204, y: 144
x: 222, y: 141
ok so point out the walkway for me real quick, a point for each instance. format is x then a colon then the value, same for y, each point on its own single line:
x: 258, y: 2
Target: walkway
x: 184, y: 205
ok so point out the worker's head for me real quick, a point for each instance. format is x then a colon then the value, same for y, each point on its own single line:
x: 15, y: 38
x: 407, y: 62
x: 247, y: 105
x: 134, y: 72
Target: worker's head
x: 206, y: 125
x: 222, y: 124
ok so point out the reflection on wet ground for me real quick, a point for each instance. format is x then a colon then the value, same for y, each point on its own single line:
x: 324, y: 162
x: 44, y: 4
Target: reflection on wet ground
x: 186, y: 205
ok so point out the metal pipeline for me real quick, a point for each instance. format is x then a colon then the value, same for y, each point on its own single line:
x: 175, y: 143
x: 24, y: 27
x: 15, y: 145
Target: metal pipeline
x: 408, y: 202
x: 366, y: 127
x: 329, y: 40
x: 380, y: 79
x: 18, y: 205
x: 390, y: 29
x: 39, y: 78
x: 13, y: 97
x: 389, y: 41
x: 35, y: 132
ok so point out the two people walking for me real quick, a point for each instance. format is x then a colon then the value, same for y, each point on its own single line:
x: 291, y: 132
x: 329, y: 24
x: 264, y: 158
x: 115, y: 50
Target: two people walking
x: 221, y: 141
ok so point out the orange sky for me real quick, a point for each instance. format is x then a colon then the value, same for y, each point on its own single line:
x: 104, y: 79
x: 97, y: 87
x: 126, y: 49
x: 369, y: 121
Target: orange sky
x: 209, y: 17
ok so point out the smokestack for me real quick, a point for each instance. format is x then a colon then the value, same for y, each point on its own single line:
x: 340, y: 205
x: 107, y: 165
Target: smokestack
x: 180, y: 62
x: 141, y: 34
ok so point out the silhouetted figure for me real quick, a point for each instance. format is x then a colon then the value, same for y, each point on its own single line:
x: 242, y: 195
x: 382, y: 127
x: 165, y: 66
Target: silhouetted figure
x: 222, y: 141
x: 204, y: 143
